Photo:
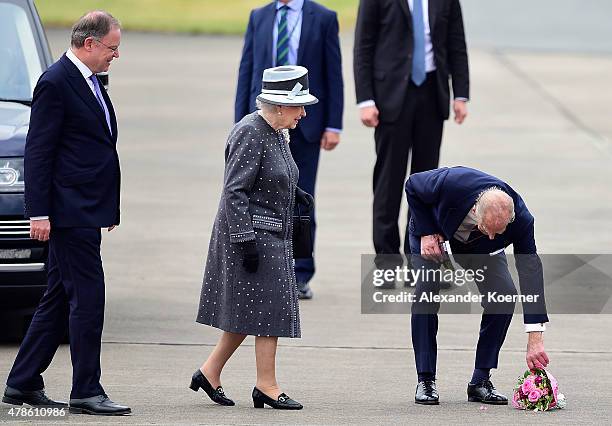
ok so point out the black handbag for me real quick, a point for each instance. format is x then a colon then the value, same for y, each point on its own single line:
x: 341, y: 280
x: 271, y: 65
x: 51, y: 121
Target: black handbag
x: 302, y: 237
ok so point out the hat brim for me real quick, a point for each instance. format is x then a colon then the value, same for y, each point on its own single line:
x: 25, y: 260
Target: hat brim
x: 283, y: 100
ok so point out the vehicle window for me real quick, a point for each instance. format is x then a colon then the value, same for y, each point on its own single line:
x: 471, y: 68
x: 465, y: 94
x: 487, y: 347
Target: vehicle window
x: 20, y: 65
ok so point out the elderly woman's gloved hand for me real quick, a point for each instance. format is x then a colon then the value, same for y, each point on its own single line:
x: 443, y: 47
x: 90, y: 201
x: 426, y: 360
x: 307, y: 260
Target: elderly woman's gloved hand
x: 304, y: 198
x: 250, y: 261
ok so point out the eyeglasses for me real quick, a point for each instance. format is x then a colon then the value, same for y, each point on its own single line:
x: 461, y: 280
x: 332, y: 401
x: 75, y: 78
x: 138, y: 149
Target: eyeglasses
x: 114, y: 49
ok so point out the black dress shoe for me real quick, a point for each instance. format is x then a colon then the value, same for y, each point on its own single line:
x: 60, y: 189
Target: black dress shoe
x: 304, y: 291
x: 199, y: 381
x: 426, y: 393
x: 98, y: 406
x: 282, y: 403
x: 485, y: 393
x: 33, y: 398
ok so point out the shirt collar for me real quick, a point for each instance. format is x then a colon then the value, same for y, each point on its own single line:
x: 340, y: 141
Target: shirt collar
x: 295, y: 5
x: 83, y: 69
x: 471, y: 218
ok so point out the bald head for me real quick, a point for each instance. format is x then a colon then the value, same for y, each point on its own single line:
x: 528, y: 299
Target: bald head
x: 494, y: 211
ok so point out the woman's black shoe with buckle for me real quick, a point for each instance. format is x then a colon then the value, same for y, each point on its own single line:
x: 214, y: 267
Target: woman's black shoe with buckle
x: 199, y: 381
x: 282, y: 403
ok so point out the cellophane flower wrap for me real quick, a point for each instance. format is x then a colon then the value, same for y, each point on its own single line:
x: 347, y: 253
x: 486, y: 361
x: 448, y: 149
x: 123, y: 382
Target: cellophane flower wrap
x: 537, y: 390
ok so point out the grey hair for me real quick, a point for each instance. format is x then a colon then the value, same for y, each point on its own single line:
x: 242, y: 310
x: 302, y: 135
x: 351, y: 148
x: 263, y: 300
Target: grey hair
x: 489, y: 198
x: 264, y: 106
x: 267, y: 108
x: 96, y: 24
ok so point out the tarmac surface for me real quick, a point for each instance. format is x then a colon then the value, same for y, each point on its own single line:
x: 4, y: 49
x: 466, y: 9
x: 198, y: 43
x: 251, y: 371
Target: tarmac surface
x: 537, y: 119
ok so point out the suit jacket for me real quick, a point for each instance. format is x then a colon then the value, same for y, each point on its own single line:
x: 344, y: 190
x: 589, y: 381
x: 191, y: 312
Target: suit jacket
x: 439, y: 201
x: 318, y: 50
x: 71, y: 163
x: 384, y: 47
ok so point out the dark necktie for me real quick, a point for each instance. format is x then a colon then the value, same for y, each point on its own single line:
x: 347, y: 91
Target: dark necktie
x: 282, y: 44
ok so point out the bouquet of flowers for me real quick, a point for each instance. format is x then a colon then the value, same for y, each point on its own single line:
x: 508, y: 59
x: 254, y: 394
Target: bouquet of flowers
x: 537, y: 390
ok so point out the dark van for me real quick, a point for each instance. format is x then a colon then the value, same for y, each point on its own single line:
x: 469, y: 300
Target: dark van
x: 24, y: 55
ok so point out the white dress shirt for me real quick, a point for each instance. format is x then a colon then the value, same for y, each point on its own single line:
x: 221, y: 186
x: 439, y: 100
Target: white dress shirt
x: 430, y: 63
x: 294, y: 29
x: 84, y: 69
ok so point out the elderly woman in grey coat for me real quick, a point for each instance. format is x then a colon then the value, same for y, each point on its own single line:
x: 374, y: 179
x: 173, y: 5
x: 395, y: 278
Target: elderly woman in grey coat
x: 249, y: 283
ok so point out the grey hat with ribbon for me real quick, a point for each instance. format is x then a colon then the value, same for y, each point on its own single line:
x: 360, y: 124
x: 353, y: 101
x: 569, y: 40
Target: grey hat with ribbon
x: 286, y: 85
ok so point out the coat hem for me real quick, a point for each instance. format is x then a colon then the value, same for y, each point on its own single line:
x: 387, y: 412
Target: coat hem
x: 223, y: 328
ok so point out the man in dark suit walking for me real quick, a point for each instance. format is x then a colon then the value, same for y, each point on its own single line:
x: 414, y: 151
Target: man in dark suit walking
x: 479, y: 215
x: 297, y: 32
x: 72, y: 181
x: 405, y: 52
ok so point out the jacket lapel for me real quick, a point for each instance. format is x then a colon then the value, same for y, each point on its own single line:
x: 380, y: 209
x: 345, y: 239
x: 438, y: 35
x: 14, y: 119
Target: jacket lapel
x: 111, y: 112
x: 81, y: 87
x: 433, y: 13
x: 404, y: 6
x: 307, y: 21
x: 268, y: 27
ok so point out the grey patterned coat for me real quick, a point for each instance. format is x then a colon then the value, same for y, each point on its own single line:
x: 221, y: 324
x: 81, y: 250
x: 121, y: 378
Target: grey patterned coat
x: 256, y: 204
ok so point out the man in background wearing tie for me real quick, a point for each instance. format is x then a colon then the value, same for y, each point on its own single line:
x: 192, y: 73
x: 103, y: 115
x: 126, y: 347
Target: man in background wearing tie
x: 297, y: 32
x: 72, y: 181
x: 405, y: 52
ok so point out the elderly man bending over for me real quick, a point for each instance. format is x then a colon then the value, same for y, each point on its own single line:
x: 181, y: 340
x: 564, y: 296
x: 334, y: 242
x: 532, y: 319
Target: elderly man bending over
x: 479, y: 215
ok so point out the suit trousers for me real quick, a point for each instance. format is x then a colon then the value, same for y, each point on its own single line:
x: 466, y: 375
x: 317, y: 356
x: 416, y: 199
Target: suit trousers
x: 495, y: 318
x: 417, y: 133
x: 73, y: 301
x: 306, y: 156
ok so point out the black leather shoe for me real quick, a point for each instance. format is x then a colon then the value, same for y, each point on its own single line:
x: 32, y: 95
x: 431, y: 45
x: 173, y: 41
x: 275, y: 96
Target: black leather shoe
x: 199, y: 381
x: 33, y: 398
x: 304, y: 291
x: 485, y: 393
x: 426, y: 393
x: 98, y: 406
x: 282, y: 403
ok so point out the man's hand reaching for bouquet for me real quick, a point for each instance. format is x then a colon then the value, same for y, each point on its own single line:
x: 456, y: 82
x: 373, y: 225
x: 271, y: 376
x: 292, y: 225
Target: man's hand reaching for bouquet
x: 536, y: 356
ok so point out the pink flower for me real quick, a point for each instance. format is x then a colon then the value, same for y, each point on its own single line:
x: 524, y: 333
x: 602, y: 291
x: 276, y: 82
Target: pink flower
x: 528, y: 386
x: 538, y: 380
x: 534, y: 395
x: 515, y: 400
x: 545, y: 391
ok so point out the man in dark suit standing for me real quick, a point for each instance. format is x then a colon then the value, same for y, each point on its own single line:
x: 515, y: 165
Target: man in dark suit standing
x: 297, y: 32
x: 479, y: 215
x: 405, y: 52
x: 72, y: 181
